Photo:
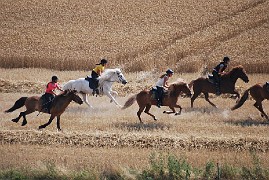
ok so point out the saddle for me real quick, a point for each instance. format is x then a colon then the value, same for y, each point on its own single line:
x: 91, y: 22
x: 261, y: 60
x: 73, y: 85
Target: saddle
x: 46, y: 103
x: 154, y: 92
x: 91, y: 82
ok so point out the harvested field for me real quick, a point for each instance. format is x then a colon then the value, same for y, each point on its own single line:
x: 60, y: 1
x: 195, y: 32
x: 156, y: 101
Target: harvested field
x: 203, y: 133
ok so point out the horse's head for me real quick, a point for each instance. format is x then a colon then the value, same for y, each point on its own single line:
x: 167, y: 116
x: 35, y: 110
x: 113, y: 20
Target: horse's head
x: 239, y: 72
x: 74, y: 96
x: 116, y: 75
x: 181, y: 87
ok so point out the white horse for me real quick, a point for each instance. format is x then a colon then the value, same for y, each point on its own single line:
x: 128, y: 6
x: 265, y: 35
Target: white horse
x: 107, y: 78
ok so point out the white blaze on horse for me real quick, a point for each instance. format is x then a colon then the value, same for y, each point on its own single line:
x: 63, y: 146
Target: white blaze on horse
x: 107, y: 78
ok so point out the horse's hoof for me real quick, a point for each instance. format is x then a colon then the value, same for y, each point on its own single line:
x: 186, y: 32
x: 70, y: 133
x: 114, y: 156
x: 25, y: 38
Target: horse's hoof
x: 177, y: 114
x: 14, y: 120
x: 164, y: 111
x: 40, y: 127
x: 59, y: 130
x: 23, y: 123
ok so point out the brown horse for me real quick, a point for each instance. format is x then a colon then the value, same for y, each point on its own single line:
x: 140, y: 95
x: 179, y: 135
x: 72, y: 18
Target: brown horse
x: 145, y: 99
x: 259, y: 92
x: 227, y: 85
x: 34, y: 103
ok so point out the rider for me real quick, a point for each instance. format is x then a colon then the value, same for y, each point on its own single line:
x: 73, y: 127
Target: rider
x: 161, y: 84
x: 50, y: 92
x: 218, y: 71
x: 96, y: 72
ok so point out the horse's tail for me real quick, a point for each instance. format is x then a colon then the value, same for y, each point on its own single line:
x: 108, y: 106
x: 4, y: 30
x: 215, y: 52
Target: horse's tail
x: 129, y: 102
x: 241, y: 100
x: 18, y: 104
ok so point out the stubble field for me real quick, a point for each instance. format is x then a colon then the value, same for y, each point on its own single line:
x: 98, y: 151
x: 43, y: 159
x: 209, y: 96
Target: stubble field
x: 107, y: 137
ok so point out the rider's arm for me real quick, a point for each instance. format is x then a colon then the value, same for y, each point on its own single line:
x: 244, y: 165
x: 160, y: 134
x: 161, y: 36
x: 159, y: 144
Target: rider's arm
x: 221, y: 69
x: 165, y: 82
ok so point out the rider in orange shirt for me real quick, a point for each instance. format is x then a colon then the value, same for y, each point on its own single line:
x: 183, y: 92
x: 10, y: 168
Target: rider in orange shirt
x: 50, y: 92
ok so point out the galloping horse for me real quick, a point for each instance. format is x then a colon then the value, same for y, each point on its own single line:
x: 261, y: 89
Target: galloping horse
x: 145, y: 99
x: 34, y: 103
x: 227, y: 85
x: 259, y: 92
x: 107, y: 78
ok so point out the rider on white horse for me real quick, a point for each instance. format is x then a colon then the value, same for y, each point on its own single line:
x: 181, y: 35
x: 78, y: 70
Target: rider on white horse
x: 107, y: 78
x: 96, y: 72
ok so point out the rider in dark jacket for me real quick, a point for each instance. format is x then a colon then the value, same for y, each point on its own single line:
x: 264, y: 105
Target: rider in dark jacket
x: 218, y: 71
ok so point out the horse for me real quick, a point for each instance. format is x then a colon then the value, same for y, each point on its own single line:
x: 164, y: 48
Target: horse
x: 259, y: 92
x: 146, y: 99
x: 107, y: 78
x: 227, y: 85
x: 34, y: 103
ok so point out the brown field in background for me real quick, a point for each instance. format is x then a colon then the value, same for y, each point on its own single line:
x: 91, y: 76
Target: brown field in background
x: 110, y: 138
x: 135, y: 35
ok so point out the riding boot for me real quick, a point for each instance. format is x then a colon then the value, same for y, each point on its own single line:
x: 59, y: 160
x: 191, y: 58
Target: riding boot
x: 159, y: 103
x: 217, y: 90
x: 97, y: 91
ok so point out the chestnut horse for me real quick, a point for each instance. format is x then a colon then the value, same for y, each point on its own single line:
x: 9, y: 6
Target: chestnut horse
x: 227, y: 84
x: 259, y: 92
x: 34, y: 103
x: 145, y: 99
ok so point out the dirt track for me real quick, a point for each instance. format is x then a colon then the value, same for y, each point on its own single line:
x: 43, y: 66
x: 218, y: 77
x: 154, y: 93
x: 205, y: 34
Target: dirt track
x: 112, y: 140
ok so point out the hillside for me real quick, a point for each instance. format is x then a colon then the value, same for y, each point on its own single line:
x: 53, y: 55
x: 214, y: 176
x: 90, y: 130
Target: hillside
x: 136, y: 35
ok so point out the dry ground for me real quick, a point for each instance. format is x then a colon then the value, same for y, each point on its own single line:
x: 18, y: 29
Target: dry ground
x: 108, y: 137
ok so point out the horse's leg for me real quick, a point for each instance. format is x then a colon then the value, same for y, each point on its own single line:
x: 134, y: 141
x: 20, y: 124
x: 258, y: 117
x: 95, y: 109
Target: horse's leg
x: 174, y: 110
x: 147, y: 111
x: 237, y: 95
x: 84, y: 96
x: 207, y: 99
x: 24, y: 122
x: 258, y: 105
x: 195, y: 95
x: 141, y: 108
x: 115, y: 94
x: 17, y: 118
x: 48, y: 123
x: 112, y: 98
x: 170, y: 112
x: 58, y: 123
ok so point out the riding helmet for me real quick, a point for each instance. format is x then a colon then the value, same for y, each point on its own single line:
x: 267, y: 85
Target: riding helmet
x: 226, y: 59
x: 103, y: 61
x: 169, y: 71
x: 54, y: 78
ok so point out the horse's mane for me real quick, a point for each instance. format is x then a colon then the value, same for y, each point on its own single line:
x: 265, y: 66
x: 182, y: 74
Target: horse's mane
x: 107, y: 73
x: 234, y: 69
x: 178, y: 82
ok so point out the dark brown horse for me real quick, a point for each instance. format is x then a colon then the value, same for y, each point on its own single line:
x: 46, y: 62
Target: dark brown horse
x: 259, y: 92
x: 34, y: 103
x: 145, y: 99
x: 227, y: 85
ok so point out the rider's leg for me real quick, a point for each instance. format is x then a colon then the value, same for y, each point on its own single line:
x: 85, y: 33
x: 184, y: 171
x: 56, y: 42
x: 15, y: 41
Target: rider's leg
x: 159, y: 96
x: 216, y: 82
